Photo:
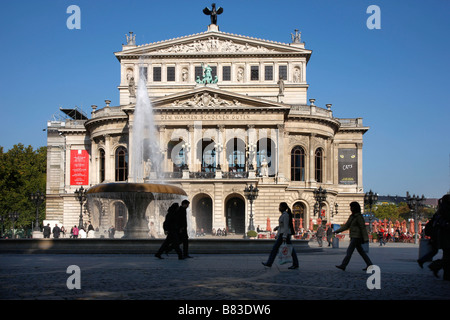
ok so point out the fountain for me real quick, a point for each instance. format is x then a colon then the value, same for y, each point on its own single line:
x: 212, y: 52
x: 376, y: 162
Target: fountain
x: 138, y: 195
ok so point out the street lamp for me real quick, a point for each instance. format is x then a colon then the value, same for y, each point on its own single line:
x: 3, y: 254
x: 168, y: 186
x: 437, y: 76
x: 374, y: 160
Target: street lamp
x: 320, y: 195
x: 13, y: 216
x: 369, y: 199
x: 251, y: 193
x: 335, y: 212
x: 81, y: 196
x: 37, y: 198
x: 413, y: 203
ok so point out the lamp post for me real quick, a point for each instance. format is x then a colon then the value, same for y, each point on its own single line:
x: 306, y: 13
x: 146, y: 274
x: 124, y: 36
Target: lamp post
x: 413, y: 203
x: 251, y: 193
x: 335, y: 212
x: 13, y: 216
x: 2, y: 221
x: 37, y: 198
x: 369, y: 199
x: 320, y: 195
x: 81, y: 196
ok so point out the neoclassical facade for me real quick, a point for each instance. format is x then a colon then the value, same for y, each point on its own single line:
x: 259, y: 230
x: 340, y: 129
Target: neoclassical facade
x: 230, y: 111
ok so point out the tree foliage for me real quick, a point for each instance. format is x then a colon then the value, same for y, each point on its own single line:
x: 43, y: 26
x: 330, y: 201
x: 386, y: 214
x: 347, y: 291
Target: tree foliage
x: 22, y: 172
x: 399, y: 212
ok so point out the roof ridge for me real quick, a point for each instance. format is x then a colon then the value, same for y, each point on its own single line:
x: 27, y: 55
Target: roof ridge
x: 205, y: 32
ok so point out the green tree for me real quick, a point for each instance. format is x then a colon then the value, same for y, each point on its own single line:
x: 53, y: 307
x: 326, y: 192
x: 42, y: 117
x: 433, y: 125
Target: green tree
x: 22, y: 172
x: 386, y: 211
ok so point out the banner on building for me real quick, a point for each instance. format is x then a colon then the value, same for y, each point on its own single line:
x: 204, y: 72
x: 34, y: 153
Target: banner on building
x: 79, y: 167
x: 348, y: 166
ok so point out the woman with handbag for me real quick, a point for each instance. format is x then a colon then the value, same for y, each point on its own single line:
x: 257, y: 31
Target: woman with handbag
x: 358, y: 236
x: 285, y: 230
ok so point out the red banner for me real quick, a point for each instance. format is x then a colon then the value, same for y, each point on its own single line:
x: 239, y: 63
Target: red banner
x: 79, y: 167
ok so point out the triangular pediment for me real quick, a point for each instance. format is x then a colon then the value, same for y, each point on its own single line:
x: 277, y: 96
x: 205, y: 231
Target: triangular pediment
x: 211, y: 43
x: 210, y: 98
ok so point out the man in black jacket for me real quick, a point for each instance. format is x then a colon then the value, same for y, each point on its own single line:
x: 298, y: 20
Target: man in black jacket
x: 56, y: 231
x: 47, y: 231
x: 182, y: 223
x: 172, y: 228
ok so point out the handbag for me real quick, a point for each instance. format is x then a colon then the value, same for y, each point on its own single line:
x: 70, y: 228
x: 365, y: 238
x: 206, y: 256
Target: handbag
x: 365, y: 247
x: 284, y: 253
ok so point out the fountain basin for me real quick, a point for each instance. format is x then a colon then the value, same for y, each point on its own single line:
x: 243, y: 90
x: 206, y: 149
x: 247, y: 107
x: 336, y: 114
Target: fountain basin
x: 137, y: 198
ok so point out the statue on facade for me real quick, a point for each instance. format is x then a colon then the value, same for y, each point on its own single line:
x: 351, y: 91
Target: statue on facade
x: 132, y: 87
x: 281, y: 85
x: 264, y: 168
x: 207, y: 76
x: 213, y: 13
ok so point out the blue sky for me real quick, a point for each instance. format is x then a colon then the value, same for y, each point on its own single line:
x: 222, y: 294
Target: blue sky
x: 395, y: 78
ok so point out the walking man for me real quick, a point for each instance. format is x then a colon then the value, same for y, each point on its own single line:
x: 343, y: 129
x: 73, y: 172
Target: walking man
x: 47, y: 231
x: 358, y: 236
x: 319, y: 235
x: 56, y: 232
x: 172, y: 229
x: 182, y: 222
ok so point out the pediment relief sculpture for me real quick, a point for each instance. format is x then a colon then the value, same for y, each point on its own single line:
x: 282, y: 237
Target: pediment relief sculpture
x: 206, y: 100
x: 213, y: 45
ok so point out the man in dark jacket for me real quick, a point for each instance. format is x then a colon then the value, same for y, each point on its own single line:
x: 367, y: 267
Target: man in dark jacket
x: 47, y: 231
x: 56, y: 231
x: 440, y: 235
x: 319, y: 235
x: 182, y: 223
x: 358, y: 236
x: 172, y: 228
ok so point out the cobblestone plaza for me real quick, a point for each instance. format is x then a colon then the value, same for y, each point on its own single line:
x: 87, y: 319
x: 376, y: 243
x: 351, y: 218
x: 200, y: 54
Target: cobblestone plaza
x: 220, y: 277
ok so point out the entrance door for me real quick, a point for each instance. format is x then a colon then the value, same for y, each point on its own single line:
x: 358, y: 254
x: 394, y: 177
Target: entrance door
x: 235, y: 215
x: 298, y: 212
x: 203, y: 215
x: 120, y: 213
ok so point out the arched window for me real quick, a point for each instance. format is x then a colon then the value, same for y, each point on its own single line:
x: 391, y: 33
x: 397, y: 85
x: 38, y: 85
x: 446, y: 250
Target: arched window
x: 175, y: 152
x: 298, y: 164
x: 121, y: 164
x: 236, y: 155
x: 120, y: 216
x: 101, y: 165
x: 319, y: 165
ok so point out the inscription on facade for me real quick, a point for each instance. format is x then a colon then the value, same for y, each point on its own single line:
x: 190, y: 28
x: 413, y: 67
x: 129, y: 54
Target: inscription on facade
x: 205, y: 117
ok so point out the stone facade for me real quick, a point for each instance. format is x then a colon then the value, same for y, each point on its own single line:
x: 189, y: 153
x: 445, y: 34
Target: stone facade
x: 252, y: 124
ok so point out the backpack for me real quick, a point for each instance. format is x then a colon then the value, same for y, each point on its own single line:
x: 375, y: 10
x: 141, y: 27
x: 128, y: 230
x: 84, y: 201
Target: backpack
x: 169, y: 220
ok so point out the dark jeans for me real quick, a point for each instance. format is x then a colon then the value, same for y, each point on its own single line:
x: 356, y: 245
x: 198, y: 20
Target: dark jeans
x: 184, y: 238
x: 355, y: 243
x: 429, y: 256
x: 172, y: 241
x: 275, y: 248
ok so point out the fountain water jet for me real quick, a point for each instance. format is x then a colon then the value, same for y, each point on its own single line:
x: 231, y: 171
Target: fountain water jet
x: 137, y: 195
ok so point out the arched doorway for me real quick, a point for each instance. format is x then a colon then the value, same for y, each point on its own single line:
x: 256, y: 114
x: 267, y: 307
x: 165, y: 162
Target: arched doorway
x: 202, y: 212
x: 298, y: 213
x: 235, y: 215
x: 120, y: 216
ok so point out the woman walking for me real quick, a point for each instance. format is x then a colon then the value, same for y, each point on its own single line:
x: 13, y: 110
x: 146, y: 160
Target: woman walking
x: 358, y: 236
x: 285, y: 230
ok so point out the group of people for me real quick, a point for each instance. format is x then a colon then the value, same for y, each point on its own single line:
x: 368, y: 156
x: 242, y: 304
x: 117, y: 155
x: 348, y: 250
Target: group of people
x: 355, y: 223
x: 438, y: 229
x: 58, y: 232
x: 175, y: 227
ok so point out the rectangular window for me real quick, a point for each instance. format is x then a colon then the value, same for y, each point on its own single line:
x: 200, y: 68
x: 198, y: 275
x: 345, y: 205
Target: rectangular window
x: 282, y: 72
x: 213, y: 72
x: 226, y: 73
x: 156, y: 73
x: 143, y: 72
x: 198, y: 73
x: 254, y: 73
x: 170, y: 73
x: 268, y: 73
